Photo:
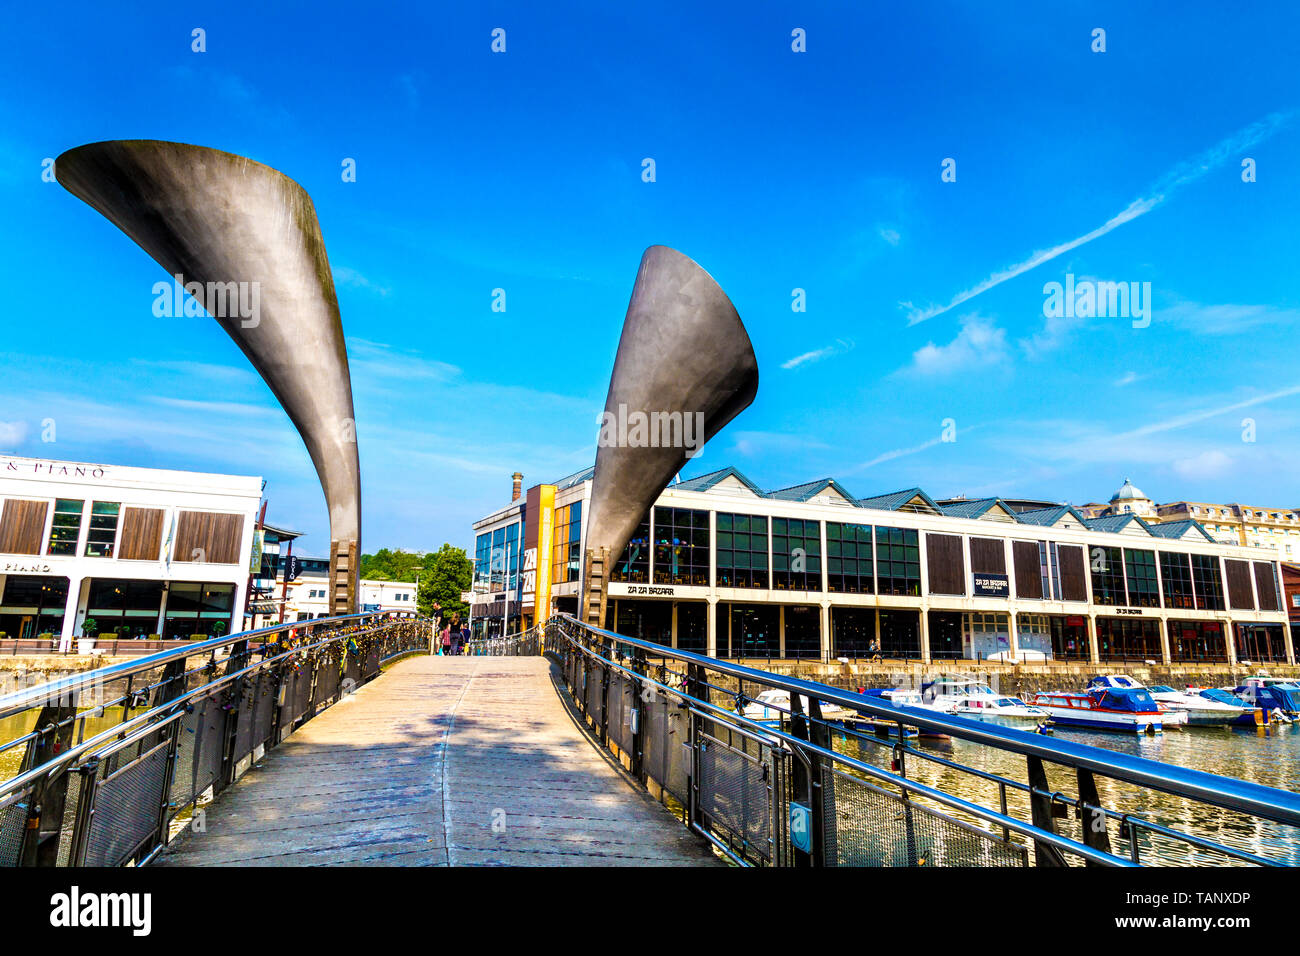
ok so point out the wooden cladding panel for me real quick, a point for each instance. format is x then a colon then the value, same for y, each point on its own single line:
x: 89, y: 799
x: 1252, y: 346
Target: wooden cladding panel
x: 208, y: 538
x: 987, y: 556
x: 1029, y: 576
x: 141, y: 534
x: 1240, y: 595
x: 944, y: 561
x: 22, y: 526
x: 1266, y: 585
x: 1074, y: 579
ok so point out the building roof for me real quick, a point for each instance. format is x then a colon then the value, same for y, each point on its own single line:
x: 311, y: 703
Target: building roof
x: 906, y: 500
x: 809, y: 490
x: 705, y: 482
x: 1116, y: 523
x: 577, y: 478
x: 968, y: 507
x: 1127, y: 491
x: 1046, y: 517
x: 284, y: 534
x: 1178, y: 529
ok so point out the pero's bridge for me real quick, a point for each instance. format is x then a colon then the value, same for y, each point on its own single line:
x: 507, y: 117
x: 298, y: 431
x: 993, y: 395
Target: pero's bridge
x: 511, y: 757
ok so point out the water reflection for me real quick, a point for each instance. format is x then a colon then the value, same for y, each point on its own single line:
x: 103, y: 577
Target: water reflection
x: 1271, y: 758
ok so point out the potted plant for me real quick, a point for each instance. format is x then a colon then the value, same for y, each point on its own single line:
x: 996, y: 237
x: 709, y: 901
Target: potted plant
x: 86, y: 643
x: 218, y: 628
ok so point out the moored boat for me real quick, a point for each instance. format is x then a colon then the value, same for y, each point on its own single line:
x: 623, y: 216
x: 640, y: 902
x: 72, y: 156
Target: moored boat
x: 1126, y: 709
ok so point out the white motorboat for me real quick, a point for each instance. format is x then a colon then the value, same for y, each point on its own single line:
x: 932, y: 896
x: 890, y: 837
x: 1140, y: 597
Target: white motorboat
x: 967, y: 697
x: 773, y: 706
x: 1130, y: 709
x: 1201, y: 711
x: 1172, y: 716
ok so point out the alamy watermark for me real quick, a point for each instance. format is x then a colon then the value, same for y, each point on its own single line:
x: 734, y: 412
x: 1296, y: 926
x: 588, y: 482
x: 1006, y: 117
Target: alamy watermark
x: 225, y: 300
x: 640, y: 429
x: 1086, y: 298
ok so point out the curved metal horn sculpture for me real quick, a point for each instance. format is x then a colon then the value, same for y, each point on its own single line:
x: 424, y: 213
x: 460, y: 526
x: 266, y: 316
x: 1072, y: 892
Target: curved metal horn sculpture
x: 684, y: 368
x: 240, y: 233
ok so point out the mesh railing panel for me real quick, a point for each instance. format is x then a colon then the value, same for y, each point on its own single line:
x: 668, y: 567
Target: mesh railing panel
x: 874, y: 827
x: 327, y: 677
x: 68, y: 830
x: 664, y: 736
x: 735, y: 795
x: 13, y: 821
x: 595, y: 680
x: 127, y: 809
x: 199, y: 750
x: 620, y: 710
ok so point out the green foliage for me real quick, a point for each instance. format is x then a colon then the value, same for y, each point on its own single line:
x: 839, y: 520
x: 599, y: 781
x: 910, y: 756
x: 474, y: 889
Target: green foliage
x: 89, y: 627
x: 447, y: 573
x: 386, y: 565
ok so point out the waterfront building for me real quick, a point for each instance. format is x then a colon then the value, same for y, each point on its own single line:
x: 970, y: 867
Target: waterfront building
x: 721, y: 567
x: 308, y: 594
x: 143, y: 552
x: 1253, y: 526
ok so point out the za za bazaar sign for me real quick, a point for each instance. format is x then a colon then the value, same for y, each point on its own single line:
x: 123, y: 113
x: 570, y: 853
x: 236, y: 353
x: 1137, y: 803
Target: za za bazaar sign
x: 53, y: 469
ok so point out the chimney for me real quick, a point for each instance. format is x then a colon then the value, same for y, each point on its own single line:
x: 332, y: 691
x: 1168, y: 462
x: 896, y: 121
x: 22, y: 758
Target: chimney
x: 519, y: 484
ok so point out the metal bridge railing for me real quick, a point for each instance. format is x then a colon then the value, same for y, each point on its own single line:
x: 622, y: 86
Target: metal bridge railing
x: 781, y: 794
x: 104, y: 766
x: 526, y: 644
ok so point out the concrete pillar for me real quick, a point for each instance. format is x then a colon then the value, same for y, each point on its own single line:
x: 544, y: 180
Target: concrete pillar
x: 674, y: 626
x: 824, y: 617
x: 780, y: 628
x: 1163, y: 624
x: 711, y: 622
x: 1094, y: 645
x: 1013, y: 646
x: 1229, y: 639
x: 70, y: 609
x: 925, y: 630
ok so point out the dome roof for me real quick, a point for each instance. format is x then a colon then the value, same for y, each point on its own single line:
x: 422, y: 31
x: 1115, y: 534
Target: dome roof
x: 1127, y: 491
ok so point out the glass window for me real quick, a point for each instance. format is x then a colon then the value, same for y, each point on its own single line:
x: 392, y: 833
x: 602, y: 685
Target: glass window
x: 898, y: 561
x: 66, y: 527
x: 103, y: 529
x: 796, y: 554
x: 850, y: 568
x: 497, y: 564
x: 1207, y: 582
x: 482, y: 560
x: 1176, y: 573
x: 633, y: 565
x: 1140, y: 573
x: 1107, y: 576
x: 742, y: 551
x: 1049, y: 569
x: 681, y: 546
x: 566, y: 556
x: 512, y: 557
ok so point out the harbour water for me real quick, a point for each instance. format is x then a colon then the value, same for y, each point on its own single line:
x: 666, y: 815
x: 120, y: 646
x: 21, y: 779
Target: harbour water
x: 1268, y: 757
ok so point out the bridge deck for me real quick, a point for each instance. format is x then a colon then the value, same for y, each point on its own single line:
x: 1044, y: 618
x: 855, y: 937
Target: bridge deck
x: 440, y: 761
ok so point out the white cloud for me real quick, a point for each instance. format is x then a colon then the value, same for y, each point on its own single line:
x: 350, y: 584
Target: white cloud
x: 979, y: 342
x: 351, y: 277
x: 12, y: 434
x: 1128, y: 378
x: 1180, y: 175
x: 840, y: 345
x: 1208, y: 464
x: 1227, y: 318
x: 890, y: 236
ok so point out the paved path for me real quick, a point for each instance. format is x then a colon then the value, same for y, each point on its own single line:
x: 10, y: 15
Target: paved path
x: 458, y: 761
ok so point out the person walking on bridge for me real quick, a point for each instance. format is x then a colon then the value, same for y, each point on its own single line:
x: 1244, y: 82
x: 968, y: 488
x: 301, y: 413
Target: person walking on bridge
x: 446, y: 640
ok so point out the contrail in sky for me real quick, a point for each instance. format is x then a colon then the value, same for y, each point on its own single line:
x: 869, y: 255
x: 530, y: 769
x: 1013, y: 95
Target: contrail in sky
x: 1180, y: 175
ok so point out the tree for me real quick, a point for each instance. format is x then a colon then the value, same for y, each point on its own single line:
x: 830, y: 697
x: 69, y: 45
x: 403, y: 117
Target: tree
x: 386, y: 565
x: 447, y: 574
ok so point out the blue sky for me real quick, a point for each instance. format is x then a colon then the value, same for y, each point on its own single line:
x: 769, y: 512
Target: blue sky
x: 775, y: 170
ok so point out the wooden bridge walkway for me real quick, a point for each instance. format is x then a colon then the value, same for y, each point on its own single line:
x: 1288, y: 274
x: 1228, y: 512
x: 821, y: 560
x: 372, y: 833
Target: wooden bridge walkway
x: 461, y: 761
